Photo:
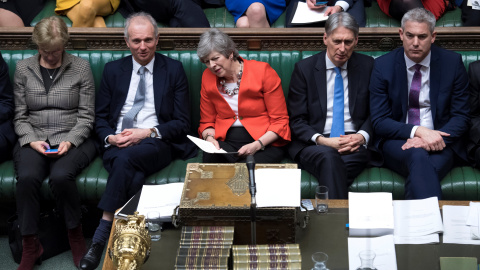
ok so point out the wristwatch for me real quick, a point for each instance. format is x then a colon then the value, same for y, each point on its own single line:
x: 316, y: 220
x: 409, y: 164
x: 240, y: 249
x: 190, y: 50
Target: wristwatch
x: 153, y: 133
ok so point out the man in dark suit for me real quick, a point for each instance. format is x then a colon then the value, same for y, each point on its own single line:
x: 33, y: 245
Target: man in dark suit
x: 7, y: 134
x: 419, y: 107
x: 335, y: 158
x: 473, y: 146
x: 142, y: 119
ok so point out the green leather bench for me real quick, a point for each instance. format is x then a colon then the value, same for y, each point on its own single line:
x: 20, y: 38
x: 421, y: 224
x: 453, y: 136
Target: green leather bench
x: 220, y: 17
x: 461, y: 184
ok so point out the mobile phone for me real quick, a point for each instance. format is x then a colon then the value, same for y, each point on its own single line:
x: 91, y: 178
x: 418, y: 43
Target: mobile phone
x: 51, y: 151
x: 320, y: 3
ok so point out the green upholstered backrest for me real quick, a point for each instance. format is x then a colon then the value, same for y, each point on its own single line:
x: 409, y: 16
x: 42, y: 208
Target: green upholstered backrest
x: 220, y: 18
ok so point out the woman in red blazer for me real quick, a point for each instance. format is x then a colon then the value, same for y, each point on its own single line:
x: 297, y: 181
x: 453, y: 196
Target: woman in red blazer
x: 242, y: 106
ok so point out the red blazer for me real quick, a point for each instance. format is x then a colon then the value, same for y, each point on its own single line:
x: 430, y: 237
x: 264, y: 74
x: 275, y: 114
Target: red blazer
x: 261, y: 104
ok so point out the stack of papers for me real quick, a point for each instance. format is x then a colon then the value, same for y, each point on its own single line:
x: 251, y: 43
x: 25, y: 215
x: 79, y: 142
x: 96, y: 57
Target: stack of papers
x: 473, y: 220
x: 370, y: 214
x: 417, y: 221
x: 161, y: 198
x: 456, y: 230
x: 383, y: 247
x: 278, y: 187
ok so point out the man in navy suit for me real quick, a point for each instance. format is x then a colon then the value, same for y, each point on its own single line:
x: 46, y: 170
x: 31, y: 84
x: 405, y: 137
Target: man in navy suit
x: 419, y: 107
x: 7, y: 133
x: 142, y: 119
x: 335, y: 160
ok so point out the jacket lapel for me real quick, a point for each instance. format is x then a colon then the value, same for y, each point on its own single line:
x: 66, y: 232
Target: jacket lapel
x: 159, y: 80
x: 401, y: 82
x: 435, y: 78
x: 123, y: 85
x: 320, y: 75
x: 354, y: 75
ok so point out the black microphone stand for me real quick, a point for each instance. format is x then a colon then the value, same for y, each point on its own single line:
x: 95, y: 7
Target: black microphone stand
x: 253, y: 203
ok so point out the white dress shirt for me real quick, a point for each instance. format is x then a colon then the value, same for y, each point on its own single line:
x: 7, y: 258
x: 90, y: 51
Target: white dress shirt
x: 349, y: 126
x: 426, y: 119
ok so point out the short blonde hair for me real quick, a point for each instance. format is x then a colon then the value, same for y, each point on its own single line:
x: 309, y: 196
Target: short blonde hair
x: 50, y: 31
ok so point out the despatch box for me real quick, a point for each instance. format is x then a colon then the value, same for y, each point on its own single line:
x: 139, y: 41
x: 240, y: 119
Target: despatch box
x: 218, y: 194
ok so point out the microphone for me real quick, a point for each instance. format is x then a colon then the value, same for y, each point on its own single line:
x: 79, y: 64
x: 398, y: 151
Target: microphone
x: 251, y: 174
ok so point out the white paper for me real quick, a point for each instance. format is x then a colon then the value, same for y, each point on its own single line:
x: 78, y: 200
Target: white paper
x: 278, y: 187
x: 206, y: 146
x: 433, y: 238
x: 303, y: 14
x: 383, y: 247
x: 417, y: 218
x: 456, y: 230
x: 473, y: 218
x: 370, y: 214
x: 161, y: 198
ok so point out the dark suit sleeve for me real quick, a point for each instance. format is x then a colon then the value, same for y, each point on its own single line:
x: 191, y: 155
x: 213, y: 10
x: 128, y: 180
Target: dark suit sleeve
x: 458, y: 113
x: 103, y: 102
x: 297, y: 106
x: 6, y: 93
x: 474, y: 89
x: 174, y: 121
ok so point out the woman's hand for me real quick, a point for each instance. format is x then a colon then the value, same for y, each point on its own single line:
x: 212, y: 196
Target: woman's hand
x: 63, y: 148
x: 249, y: 149
x: 212, y: 140
x: 40, y: 146
x: 311, y: 4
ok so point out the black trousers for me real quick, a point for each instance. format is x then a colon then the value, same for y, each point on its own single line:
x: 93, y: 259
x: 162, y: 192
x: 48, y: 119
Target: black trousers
x: 32, y: 168
x: 331, y: 169
x: 177, y: 13
x: 128, y: 167
x: 235, y: 139
x: 470, y: 17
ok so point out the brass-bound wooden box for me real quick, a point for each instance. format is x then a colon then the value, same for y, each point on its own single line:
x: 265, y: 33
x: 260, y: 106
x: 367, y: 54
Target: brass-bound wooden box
x: 218, y: 194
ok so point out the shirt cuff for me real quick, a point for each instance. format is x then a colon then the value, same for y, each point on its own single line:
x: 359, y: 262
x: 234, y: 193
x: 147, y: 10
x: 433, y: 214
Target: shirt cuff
x: 343, y: 4
x: 315, y: 136
x: 412, y: 133
x: 365, y: 135
x: 106, y: 142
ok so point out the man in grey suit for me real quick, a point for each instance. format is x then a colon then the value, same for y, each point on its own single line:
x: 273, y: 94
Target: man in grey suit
x: 328, y: 108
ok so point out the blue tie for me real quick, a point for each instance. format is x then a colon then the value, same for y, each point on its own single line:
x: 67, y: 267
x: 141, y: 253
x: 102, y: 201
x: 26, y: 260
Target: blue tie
x: 137, y: 103
x: 338, y: 126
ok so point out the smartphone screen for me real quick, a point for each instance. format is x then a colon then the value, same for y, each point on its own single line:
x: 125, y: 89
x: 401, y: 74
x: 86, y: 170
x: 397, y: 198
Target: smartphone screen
x: 321, y: 3
x: 51, y: 151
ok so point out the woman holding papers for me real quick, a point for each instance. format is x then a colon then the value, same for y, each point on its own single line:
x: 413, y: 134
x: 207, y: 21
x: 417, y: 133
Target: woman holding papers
x: 242, y: 106
x: 54, y: 97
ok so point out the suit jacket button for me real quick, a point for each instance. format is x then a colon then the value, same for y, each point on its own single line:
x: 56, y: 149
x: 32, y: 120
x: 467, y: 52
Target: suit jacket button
x: 234, y: 118
x: 241, y: 117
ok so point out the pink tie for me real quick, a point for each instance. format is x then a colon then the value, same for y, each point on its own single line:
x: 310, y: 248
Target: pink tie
x: 413, y: 104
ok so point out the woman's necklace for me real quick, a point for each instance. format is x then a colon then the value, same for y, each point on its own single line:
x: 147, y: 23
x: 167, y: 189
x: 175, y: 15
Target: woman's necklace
x: 53, y: 74
x: 234, y: 91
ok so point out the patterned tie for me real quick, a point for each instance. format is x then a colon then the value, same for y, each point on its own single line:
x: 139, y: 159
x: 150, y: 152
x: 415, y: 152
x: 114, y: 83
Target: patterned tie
x: 338, y: 125
x: 137, y: 103
x: 413, y: 103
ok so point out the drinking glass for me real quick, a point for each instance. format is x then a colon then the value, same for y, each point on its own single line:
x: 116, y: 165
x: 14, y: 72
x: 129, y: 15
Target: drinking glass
x: 367, y: 257
x: 321, y: 199
x: 319, y: 261
x: 154, y: 225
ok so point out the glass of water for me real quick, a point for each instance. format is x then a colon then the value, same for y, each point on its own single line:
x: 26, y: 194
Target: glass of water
x: 154, y: 225
x: 319, y: 261
x: 321, y: 199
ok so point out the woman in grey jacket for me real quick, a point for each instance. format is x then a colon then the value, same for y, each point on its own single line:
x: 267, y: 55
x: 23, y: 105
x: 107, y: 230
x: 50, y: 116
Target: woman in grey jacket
x: 54, y: 97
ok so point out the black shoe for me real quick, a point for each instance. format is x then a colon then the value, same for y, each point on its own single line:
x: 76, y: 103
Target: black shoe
x: 91, y: 260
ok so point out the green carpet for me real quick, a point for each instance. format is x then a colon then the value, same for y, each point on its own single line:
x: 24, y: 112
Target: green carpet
x: 62, y: 261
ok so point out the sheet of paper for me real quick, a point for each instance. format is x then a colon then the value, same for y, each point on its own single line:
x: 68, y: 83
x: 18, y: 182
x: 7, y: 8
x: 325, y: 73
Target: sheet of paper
x: 473, y: 219
x: 278, y: 187
x: 161, y: 198
x: 370, y: 214
x: 456, y: 231
x: 207, y: 146
x: 433, y: 238
x: 383, y: 247
x: 416, y: 218
x: 305, y: 15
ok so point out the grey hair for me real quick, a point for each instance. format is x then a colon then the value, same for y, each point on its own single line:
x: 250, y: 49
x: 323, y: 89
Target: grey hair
x: 344, y: 19
x: 419, y: 15
x: 50, y: 31
x: 216, y: 40
x: 143, y: 15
